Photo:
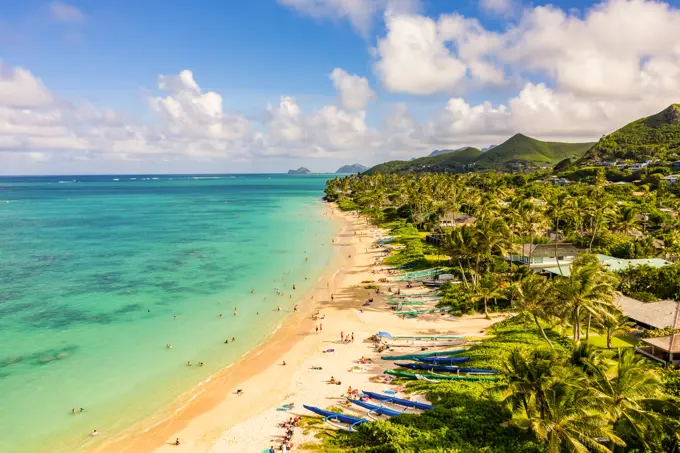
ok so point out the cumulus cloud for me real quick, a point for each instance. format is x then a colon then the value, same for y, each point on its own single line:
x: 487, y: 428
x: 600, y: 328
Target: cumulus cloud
x: 18, y: 88
x: 360, y: 13
x: 65, y: 12
x: 496, y: 6
x: 354, y: 91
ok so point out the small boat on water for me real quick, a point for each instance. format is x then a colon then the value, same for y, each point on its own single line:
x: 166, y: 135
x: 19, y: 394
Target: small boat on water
x: 417, y: 356
x: 439, y: 377
x: 448, y: 369
x: 373, y: 409
x: 335, y: 418
x: 399, y: 401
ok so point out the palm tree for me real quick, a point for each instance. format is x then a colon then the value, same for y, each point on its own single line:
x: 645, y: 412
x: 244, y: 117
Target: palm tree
x: 588, y: 289
x: 527, y: 373
x: 487, y: 289
x: 573, y: 420
x: 533, y: 298
x: 627, y: 220
x: 614, y: 323
x: 626, y: 395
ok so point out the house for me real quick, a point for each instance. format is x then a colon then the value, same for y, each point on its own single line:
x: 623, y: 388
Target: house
x: 656, y: 315
x: 672, y: 178
x: 676, y: 165
x: 457, y: 220
x: 611, y: 263
x: 546, y: 255
x: 638, y: 166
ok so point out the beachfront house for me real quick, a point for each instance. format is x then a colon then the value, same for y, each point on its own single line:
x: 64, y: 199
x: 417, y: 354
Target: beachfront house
x: 612, y: 264
x: 546, y: 255
x: 655, y: 315
x: 676, y: 165
x: 457, y: 220
x: 672, y: 179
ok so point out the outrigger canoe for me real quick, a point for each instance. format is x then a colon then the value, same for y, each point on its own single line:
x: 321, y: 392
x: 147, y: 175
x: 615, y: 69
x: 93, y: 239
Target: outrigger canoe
x: 373, y: 409
x: 439, y: 377
x: 399, y: 401
x: 417, y: 356
x: 330, y: 417
x: 449, y: 369
x: 437, y: 361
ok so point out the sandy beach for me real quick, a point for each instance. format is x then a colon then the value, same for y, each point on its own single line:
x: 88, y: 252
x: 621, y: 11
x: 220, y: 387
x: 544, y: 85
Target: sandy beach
x: 214, y: 418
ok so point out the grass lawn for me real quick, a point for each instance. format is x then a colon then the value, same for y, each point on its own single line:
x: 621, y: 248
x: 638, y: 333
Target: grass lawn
x: 622, y: 341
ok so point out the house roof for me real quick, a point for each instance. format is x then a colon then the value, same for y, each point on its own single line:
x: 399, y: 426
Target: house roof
x: 656, y: 314
x: 619, y: 264
x: 548, y: 250
x: 664, y: 343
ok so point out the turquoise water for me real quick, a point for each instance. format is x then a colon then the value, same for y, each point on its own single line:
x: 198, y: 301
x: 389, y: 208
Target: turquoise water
x: 98, y: 274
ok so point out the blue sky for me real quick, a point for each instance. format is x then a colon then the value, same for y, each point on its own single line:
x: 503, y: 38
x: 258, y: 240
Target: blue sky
x: 108, y: 54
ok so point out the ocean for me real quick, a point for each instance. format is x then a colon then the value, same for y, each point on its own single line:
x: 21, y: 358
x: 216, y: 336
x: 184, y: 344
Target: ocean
x: 99, y: 273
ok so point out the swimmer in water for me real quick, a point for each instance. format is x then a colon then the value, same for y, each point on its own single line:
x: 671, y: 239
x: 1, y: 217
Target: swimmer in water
x: 200, y: 363
x: 168, y: 345
x: 252, y: 291
x: 220, y: 315
x: 233, y: 339
x: 189, y: 363
x: 278, y: 308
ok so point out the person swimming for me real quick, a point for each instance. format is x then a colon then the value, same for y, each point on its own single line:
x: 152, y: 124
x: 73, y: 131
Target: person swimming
x: 233, y: 339
x: 189, y: 363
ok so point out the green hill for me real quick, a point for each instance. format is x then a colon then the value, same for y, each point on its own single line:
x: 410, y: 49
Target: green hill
x: 657, y: 136
x: 522, y: 151
x: 454, y: 161
x: 519, y: 151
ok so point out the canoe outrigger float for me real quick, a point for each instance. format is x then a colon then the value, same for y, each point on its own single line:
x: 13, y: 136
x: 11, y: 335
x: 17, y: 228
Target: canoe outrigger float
x: 417, y: 356
x: 439, y: 377
x: 335, y: 418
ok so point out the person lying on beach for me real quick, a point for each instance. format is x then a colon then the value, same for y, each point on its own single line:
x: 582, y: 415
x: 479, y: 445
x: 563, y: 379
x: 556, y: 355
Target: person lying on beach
x: 332, y: 380
x: 316, y: 368
x: 239, y: 392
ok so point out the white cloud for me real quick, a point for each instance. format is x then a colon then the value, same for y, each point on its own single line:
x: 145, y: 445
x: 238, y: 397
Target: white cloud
x: 18, y: 88
x: 354, y: 91
x: 496, y: 6
x: 65, y: 12
x: 359, y: 12
x: 414, y: 59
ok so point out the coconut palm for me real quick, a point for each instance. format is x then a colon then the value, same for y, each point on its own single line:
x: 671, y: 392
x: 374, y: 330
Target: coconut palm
x: 573, y: 420
x: 614, y: 323
x: 589, y: 289
x: 487, y: 289
x: 533, y: 297
x: 626, y: 394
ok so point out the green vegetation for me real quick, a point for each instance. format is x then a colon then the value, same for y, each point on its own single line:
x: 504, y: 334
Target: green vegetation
x: 654, y: 137
x: 522, y: 151
x: 454, y: 161
x: 566, y: 386
x: 517, y: 152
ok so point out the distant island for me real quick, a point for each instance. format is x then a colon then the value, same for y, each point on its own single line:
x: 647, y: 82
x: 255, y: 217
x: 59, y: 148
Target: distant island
x: 299, y: 171
x: 351, y: 169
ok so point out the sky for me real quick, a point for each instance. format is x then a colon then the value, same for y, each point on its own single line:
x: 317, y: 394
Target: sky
x: 122, y: 86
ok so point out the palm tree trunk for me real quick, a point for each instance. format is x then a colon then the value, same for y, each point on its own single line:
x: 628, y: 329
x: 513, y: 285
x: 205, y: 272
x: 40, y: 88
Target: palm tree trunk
x: 486, y: 310
x: 590, y: 247
x: 557, y: 229
x: 609, y: 339
x: 588, y: 328
x: 577, y: 326
x: 463, y: 272
x: 545, y: 337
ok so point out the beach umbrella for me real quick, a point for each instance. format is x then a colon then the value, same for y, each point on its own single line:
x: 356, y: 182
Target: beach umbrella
x: 384, y: 334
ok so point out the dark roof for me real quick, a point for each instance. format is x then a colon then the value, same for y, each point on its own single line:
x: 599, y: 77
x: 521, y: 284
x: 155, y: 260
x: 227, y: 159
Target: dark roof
x: 548, y: 250
x: 664, y: 343
x: 655, y: 314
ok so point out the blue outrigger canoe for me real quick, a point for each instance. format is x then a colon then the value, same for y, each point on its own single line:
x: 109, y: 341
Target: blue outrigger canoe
x: 399, y: 401
x: 438, y: 360
x: 329, y: 417
x: 379, y: 410
x: 450, y: 369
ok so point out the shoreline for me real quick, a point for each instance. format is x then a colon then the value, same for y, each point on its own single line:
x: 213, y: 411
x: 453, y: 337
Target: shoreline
x: 213, y: 419
x: 152, y: 434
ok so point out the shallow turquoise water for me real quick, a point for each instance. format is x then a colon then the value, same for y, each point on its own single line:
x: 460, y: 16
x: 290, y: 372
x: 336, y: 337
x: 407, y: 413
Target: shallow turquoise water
x: 94, y: 272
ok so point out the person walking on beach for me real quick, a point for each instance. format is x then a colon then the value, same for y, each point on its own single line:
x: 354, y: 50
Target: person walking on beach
x: 352, y: 337
x: 342, y: 336
x: 321, y: 326
x: 177, y: 441
x: 317, y: 332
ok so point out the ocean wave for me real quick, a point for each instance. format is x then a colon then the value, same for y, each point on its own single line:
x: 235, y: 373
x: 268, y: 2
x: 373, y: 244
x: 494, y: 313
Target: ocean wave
x: 67, y: 182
